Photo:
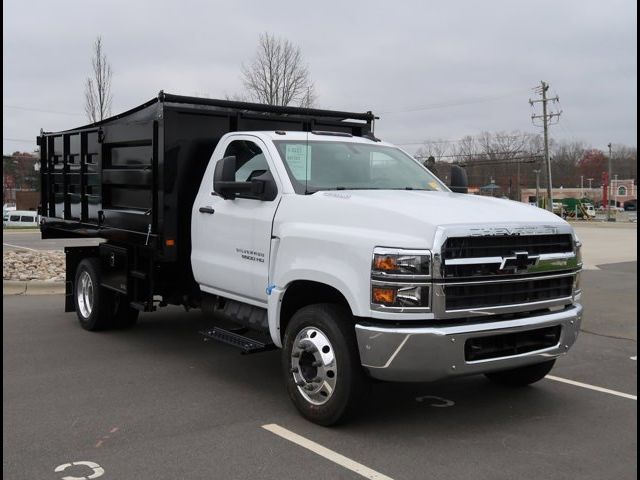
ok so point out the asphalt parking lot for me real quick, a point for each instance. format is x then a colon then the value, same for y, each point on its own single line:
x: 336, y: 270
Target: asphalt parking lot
x: 157, y: 402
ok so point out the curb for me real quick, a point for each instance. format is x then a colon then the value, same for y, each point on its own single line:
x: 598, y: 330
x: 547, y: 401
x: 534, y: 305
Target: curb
x: 20, y: 230
x: 32, y: 287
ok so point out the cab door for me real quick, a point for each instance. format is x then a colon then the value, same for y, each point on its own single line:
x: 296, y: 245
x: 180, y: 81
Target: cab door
x: 231, y: 239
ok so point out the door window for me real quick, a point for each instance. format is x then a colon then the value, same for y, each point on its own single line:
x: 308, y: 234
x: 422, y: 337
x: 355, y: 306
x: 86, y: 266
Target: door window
x: 250, y: 161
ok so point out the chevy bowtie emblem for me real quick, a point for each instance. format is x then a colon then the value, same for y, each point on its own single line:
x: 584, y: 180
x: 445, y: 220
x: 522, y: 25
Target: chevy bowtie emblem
x: 520, y: 261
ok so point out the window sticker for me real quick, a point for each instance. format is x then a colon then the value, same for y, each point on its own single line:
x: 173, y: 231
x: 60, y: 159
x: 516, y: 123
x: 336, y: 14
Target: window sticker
x: 298, y: 157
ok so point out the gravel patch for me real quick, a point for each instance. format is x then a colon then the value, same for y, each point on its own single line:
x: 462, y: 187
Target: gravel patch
x: 22, y: 265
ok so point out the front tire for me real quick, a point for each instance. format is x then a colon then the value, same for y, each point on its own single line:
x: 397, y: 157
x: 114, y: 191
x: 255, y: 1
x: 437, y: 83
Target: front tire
x: 321, y: 365
x: 522, y: 376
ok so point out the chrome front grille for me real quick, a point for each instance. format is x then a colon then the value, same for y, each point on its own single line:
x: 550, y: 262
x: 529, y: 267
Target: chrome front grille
x: 496, y: 270
x: 468, y: 296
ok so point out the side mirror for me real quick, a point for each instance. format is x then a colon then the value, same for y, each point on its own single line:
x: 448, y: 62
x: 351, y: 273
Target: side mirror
x: 262, y: 187
x: 459, y: 182
x: 224, y: 172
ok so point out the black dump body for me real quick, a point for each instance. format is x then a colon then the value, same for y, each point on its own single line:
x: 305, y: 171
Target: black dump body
x: 132, y: 179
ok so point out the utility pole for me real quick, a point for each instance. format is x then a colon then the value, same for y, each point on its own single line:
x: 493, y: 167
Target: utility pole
x: 537, y: 172
x: 546, y: 118
x: 609, y: 187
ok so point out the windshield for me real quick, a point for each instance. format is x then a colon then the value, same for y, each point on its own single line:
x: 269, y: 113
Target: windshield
x: 318, y: 165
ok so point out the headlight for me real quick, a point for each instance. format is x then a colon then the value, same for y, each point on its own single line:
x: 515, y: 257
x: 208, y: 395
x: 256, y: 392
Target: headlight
x: 399, y: 279
x: 400, y: 295
x: 401, y: 264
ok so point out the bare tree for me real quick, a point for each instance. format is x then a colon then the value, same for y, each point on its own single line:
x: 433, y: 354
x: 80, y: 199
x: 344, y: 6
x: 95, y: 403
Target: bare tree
x: 278, y: 75
x: 433, y: 148
x: 97, y: 92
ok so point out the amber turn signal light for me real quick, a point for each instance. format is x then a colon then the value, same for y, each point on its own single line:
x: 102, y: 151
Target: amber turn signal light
x: 383, y: 295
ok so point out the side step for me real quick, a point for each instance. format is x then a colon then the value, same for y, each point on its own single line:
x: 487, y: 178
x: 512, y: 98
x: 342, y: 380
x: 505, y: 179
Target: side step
x: 245, y: 344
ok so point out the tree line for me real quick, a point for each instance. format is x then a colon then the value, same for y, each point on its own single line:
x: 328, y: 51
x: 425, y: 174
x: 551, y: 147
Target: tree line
x: 511, y: 159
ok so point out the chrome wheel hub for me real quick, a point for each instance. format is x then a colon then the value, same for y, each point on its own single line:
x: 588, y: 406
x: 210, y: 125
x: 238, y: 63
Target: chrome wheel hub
x: 84, y: 292
x: 313, y: 365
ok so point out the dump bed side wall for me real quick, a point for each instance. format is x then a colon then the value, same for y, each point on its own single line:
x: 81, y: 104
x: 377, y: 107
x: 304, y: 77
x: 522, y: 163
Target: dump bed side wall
x: 101, y: 179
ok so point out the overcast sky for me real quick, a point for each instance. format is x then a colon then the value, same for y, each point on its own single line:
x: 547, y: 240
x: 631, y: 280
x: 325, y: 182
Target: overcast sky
x: 432, y: 70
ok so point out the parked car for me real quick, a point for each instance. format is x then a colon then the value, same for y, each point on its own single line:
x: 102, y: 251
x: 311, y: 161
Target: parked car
x: 591, y: 212
x: 603, y: 208
x: 20, y: 218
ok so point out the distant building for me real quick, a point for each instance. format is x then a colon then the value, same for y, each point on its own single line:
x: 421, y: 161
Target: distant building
x: 622, y: 190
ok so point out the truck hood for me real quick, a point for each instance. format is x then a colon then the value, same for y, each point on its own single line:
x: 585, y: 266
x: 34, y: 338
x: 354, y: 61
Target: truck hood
x: 405, y: 217
x: 444, y: 208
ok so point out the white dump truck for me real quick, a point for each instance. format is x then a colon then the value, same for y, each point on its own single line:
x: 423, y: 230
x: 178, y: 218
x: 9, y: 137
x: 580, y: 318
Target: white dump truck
x: 298, y: 229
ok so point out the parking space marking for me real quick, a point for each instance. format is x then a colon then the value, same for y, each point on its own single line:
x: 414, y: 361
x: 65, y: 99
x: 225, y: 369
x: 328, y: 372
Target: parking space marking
x: 98, y: 471
x: 325, y: 452
x: 592, y: 387
x: 18, y: 246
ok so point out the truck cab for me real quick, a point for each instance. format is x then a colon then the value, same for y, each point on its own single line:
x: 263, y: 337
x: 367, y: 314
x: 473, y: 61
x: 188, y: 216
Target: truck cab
x: 434, y: 290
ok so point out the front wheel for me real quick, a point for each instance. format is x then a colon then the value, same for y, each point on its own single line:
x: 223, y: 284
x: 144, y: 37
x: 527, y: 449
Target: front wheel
x: 321, y: 364
x: 522, y: 376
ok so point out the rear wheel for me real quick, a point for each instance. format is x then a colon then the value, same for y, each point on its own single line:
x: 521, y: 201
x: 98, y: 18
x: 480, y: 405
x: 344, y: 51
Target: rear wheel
x: 321, y: 364
x: 99, y: 308
x: 522, y: 376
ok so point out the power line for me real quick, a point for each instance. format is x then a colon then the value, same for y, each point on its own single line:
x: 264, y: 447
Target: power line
x: 15, y: 107
x: 427, y: 142
x: 469, y: 101
x: 479, y: 155
x: 19, y: 140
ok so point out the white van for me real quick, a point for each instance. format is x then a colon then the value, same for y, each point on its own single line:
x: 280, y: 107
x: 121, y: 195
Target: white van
x: 21, y: 218
x: 591, y: 212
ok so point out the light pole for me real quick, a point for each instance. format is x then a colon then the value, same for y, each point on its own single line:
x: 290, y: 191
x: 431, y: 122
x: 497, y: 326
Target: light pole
x: 582, y: 186
x: 609, y: 187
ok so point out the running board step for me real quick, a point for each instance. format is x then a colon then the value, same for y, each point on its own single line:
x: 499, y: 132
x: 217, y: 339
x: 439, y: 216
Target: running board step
x: 245, y: 344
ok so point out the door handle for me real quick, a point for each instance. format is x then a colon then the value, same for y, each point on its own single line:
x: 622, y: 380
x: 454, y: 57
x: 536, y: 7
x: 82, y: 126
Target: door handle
x: 208, y: 210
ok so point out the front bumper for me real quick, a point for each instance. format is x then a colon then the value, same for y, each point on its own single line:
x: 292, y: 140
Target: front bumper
x: 408, y: 354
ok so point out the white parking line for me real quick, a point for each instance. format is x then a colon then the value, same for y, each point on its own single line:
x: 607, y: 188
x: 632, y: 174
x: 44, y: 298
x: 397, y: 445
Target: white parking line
x: 18, y: 246
x: 326, y: 453
x: 592, y: 387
